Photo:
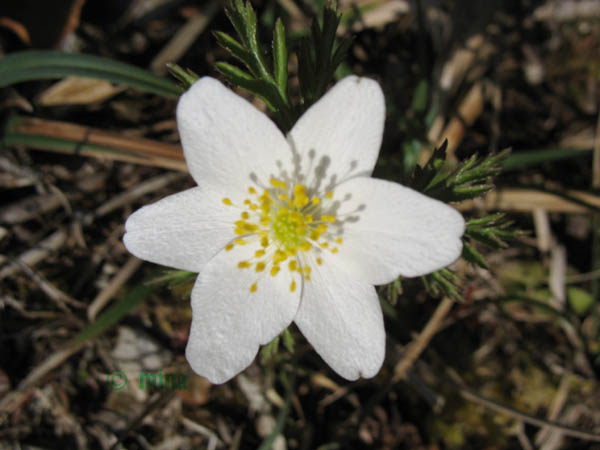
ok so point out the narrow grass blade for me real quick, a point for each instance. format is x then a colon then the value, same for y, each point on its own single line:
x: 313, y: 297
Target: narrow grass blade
x: 37, y: 65
x: 522, y: 160
x: 113, y: 314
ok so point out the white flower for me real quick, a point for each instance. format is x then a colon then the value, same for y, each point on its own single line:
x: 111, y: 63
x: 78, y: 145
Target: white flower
x: 292, y: 228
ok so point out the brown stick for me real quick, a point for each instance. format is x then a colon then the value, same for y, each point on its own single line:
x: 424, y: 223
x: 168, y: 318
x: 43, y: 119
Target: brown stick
x: 417, y: 346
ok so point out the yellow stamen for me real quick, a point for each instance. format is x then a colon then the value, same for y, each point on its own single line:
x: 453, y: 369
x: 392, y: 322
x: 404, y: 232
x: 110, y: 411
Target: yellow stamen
x: 287, y: 222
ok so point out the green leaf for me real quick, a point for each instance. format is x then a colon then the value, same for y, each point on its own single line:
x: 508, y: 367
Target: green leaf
x: 288, y: 340
x: 442, y: 282
x: 269, y: 351
x: 173, y: 278
x: 185, y: 76
x: 473, y: 256
x: 524, y: 159
x: 318, y: 58
x: 32, y: 65
x: 113, y: 314
x: 280, y: 58
x: 238, y: 77
x: 237, y: 51
x: 580, y: 300
x: 419, y: 101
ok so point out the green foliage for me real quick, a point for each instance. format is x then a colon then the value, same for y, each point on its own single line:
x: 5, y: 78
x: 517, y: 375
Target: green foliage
x: 580, y: 300
x: 470, y: 179
x: 491, y: 231
x: 319, y: 57
x: 186, y: 77
x: 267, y: 76
x: 442, y: 282
x: 263, y: 77
x: 271, y: 350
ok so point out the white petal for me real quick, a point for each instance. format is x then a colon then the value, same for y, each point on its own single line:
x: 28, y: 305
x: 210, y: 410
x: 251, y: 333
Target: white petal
x: 341, y: 318
x: 340, y: 135
x: 227, y: 141
x: 183, y: 230
x: 230, y: 322
x: 391, y: 230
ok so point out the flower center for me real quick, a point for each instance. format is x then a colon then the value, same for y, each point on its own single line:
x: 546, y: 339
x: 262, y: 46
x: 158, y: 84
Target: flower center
x: 289, y: 229
x: 288, y: 223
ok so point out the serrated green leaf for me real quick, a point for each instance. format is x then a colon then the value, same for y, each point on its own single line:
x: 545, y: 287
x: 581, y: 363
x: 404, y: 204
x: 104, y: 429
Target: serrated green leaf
x: 236, y: 18
x: 473, y: 256
x: 237, y: 51
x: 469, y: 192
x: 340, y: 52
x: 485, y: 220
x: 185, y: 77
x: 263, y: 89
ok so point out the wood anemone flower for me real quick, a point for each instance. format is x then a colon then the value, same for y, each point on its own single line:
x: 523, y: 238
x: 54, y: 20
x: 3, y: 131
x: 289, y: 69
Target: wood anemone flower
x: 290, y: 228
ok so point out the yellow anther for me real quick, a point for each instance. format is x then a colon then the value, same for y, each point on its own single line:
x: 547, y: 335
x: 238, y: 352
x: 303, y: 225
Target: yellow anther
x: 299, y: 189
x: 300, y: 197
x: 322, y: 228
x: 277, y: 183
x: 279, y: 256
x: 283, y: 217
x: 305, y: 246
